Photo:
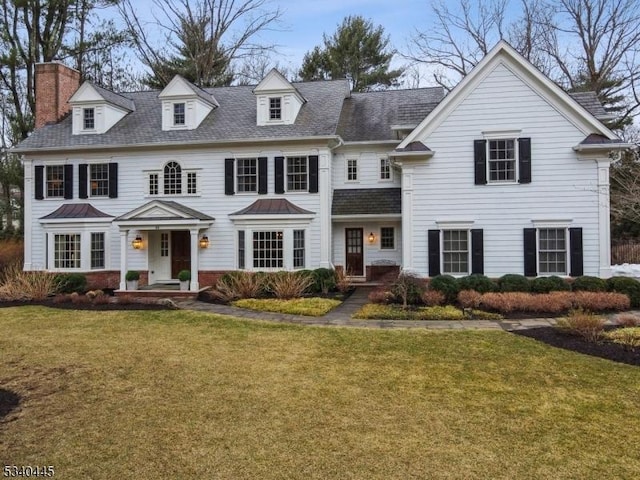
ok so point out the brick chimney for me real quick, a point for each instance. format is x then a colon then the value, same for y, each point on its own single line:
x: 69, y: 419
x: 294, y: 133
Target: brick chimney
x: 55, y: 84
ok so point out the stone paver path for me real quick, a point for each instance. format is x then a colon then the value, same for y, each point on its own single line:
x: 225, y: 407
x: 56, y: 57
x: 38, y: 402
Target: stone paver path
x: 341, y: 316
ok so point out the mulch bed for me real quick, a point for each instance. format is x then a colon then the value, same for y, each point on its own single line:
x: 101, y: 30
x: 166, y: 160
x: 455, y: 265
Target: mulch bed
x: 603, y: 349
x: 89, y: 306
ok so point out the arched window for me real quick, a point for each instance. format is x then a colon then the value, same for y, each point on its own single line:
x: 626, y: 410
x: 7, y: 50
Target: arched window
x: 172, y: 179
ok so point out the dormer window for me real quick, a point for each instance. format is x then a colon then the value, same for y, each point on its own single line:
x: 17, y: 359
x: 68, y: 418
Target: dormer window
x: 275, y: 108
x: 89, y: 118
x: 179, y: 114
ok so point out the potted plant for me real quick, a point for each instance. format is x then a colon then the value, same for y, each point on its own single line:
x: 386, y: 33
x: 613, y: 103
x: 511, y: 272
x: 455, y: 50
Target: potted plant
x: 132, y: 278
x: 184, y: 276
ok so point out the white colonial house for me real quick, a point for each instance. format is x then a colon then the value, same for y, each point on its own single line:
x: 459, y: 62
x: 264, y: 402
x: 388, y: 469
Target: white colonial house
x: 506, y: 174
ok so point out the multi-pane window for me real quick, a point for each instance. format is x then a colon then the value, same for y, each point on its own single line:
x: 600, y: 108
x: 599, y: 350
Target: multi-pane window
x: 153, y: 184
x: 298, y: 249
x: 89, y: 118
x: 99, y: 179
x: 247, y: 174
x: 178, y: 114
x: 387, y: 238
x: 268, y: 250
x: 275, y: 108
x: 385, y: 169
x: 55, y: 180
x: 297, y: 174
x: 455, y: 251
x: 97, y: 250
x: 66, y: 251
x: 192, y: 183
x: 502, y: 160
x: 552, y: 251
x: 172, y: 179
x: 352, y: 170
x: 241, y: 250
x: 164, y: 244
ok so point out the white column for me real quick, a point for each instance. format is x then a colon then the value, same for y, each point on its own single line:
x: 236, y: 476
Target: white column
x: 324, y: 189
x: 124, y: 234
x: 287, y: 247
x: 407, y: 218
x: 604, y: 221
x: 195, y: 285
x: 28, y: 230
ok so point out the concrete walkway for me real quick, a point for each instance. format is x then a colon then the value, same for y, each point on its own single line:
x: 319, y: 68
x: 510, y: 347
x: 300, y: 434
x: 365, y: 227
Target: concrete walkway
x: 341, y: 316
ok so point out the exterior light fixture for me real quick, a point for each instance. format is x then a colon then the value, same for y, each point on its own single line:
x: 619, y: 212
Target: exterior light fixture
x: 137, y: 242
x: 204, y: 242
x: 372, y: 237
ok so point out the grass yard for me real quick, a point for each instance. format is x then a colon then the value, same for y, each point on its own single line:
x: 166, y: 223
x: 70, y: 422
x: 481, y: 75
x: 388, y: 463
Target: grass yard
x: 182, y: 395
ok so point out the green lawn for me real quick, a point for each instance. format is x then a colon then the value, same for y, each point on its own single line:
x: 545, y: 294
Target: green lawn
x: 182, y: 395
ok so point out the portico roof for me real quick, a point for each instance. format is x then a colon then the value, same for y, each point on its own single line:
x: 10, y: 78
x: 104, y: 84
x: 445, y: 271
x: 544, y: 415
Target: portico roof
x: 164, y: 213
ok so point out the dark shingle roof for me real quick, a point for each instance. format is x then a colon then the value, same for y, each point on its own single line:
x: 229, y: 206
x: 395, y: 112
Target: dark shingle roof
x: 114, y: 98
x: 235, y: 119
x: 370, y: 115
x: 76, y: 210
x: 367, y: 201
x: 589, y: 100
x: 414, y: 147
x: 272, y: 206
x: 595, y: 139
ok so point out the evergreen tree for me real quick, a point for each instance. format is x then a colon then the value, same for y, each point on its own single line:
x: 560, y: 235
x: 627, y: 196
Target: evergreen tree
x: 357, y: 51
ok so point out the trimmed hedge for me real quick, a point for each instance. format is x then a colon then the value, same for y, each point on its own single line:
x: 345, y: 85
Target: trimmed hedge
x: 589, y: 284
x: 514, y: 283
x: 447, y: 285
x: 71, y: 282
x: 628, y: 286
x: 549, y: 284
x: 477, y: 282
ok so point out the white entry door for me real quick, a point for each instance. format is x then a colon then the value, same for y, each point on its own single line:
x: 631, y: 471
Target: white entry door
x: 159, y: 257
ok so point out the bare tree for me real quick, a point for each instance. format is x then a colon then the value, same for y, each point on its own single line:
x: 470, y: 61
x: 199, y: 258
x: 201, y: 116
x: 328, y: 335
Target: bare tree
x: 198, y: 38
x: 580, y: 44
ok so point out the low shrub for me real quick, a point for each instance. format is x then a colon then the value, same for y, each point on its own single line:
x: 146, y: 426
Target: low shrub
x: 324, y: 280
x: 508, y: 302
x: 601, y: 301
x: 626, y: 285
x: 313, y: 307
x: 628, y: 320
x: 343, y: 282
x: 395, y: 312
x: 469, y: 299
x: 71, y: 282
x: 381, y: 295
x: 514, y: 283
x: 286, y: 285
x: 477, y: 282
x: 627, y: 337
x: 583, y: 324
x: 589, y: 284
x: 433, y: 298
x: 17, y: 284
x: 408, y: 289
x: 132, y: 275
x: 446, y: 285
x: 235, y: 285
x: 549, y: 284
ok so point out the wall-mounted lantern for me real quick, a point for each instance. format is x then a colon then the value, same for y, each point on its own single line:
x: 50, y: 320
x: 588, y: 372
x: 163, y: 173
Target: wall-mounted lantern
x: 137, y: 242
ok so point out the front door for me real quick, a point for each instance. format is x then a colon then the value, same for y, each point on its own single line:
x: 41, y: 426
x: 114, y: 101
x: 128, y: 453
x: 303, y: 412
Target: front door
x: 354, y: 253
x: 180, y: 252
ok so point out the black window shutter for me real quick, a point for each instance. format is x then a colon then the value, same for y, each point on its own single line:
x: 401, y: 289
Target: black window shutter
x: 575, y: 245
x: 524, y: 159
x: 530, y: 257
x: 477, y: 251
x: 68, y: 182
x: 480, y: 161
x: 262, y: 175
x: 313, y: 173
x: 113, y: 180
x: 82, y: 180
x: 39, y: 182
x: 279, y: 174
x: 434, y: 252
x: 229, y: 181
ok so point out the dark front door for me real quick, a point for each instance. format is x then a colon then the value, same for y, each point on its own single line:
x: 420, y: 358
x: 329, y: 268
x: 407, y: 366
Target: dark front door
x: 180, y: 252
x: 355, y: 259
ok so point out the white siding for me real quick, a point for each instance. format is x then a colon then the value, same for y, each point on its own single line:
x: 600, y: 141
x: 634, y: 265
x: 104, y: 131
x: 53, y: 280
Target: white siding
x: 373, y: 254
x: 562, y: 186
x: 368, y: 169
x: 211, y: 200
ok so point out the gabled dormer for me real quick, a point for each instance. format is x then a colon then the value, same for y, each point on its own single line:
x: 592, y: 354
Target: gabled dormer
x: 278, y: 100
x: 184, y: 106
x: 96, y: 110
